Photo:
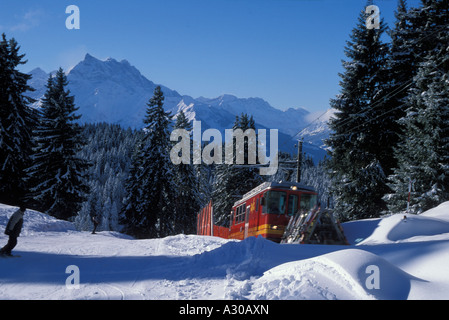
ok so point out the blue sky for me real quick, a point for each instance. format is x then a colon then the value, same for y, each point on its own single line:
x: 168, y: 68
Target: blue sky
x: 287, y: 52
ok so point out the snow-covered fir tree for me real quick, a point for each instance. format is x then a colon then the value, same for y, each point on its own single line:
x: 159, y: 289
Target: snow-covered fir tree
x: 109, y: 149
x: 246, y: 178
x: 17, y: 120
x: 359, y: 143
x: 188, y: 198
x: 129, y: 214
x: 232, y: 181
x: 223, y: 196
x: 423, y: 152
x: 401, y: 67
x: 58, y: 174
x: 150, y: 212
x: 205, y: 178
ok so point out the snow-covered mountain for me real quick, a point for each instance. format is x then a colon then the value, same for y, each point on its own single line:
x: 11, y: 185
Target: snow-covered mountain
x: 318, y: 129
x: 116, y: 92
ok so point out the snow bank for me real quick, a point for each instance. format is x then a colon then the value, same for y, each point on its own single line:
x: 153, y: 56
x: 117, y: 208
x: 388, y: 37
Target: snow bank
x: 389, y: 259
x: 395, y: 228
x: 439, y: 212
x: 432, y: 224
x: 357, y: 231
x: 344, y: 274
x: 34, y: 221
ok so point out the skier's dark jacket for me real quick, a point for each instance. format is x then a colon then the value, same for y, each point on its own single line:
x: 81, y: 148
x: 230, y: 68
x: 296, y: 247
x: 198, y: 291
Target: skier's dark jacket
x: 17, y: 228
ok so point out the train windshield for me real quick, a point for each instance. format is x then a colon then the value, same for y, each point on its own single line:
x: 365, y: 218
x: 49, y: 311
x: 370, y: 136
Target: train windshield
x: 308, y: 202
x: 292, y: 204
x: 275, y: 202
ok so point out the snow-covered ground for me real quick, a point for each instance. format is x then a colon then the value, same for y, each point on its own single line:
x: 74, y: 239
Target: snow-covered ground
x: 388, y: 258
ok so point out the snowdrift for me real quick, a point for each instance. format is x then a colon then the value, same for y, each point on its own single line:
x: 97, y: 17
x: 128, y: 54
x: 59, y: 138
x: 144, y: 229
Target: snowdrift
x: 35, y: 222
x: 412, y: 228
x: 389, y: 258
x: 338, y: 275
x: 433, y: 223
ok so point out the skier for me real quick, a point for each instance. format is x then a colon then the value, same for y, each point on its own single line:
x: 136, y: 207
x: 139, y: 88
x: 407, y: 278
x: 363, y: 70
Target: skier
x: 13, y: 229
x: 95, y: 222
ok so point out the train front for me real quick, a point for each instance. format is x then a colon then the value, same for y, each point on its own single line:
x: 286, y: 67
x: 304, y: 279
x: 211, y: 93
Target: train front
x: 266, y: 210
x: 280, y: 203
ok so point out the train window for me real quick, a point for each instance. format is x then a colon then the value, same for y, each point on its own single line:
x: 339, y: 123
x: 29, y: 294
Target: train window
x: 275, y: 202
x: 240, y: 214
x: 308, y: 201
x: 292, y: 204
x: 263, y: 203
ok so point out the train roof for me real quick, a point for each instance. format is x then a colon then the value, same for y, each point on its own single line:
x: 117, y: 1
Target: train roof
x: 275, y: 185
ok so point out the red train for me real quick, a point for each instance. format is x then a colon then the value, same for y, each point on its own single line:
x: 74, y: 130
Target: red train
x: 265, y: 211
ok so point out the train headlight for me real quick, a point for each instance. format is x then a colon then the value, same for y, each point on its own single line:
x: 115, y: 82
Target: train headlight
x: 274, y: 227
x: 294, y: 187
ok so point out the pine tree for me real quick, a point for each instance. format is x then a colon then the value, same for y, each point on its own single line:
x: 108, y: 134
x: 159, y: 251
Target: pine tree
x: 188, y: 198
x: 149, y: 212
x: 17, y: 120
x: 361, y: 131
x: 109, y: 149
x: 401, y: 65
x: 58, y: 174
x: 423, y: 153
x: 414, y: 36
x: 420, y: 151
x: 205, y: 180
x: 233, y: 181
x: 246, y: 178
x: 129, y: 216
x: 223, y: 196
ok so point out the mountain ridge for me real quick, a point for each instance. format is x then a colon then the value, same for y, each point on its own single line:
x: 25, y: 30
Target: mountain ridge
x: 116, y: 92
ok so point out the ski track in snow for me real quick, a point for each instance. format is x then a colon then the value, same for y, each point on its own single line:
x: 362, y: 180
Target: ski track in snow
x: 412, y: 257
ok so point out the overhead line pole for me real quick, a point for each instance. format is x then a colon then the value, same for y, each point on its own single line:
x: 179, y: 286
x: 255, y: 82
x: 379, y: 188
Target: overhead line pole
x: 298, y: 172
